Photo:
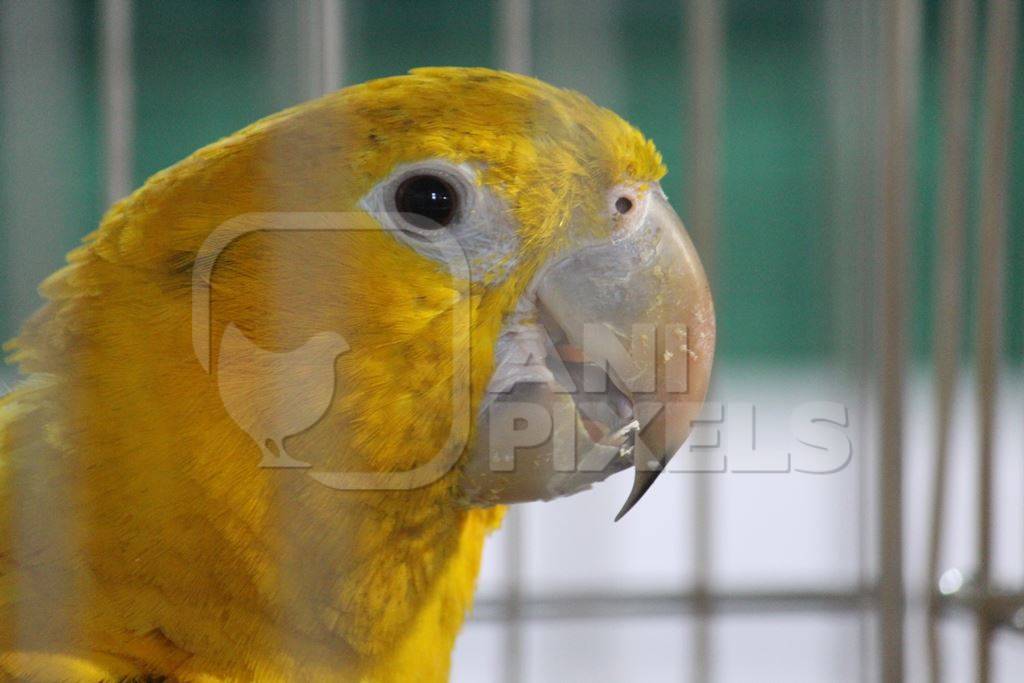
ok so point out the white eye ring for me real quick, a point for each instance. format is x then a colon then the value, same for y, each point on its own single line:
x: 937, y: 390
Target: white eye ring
x: 454, y: 177
x: 482, y: 229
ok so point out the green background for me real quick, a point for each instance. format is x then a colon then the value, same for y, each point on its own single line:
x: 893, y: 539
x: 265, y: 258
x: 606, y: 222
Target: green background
x: 202, y: 70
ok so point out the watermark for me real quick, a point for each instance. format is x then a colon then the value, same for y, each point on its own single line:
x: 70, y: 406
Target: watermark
x: 723, y: 437
x: 273, y: 396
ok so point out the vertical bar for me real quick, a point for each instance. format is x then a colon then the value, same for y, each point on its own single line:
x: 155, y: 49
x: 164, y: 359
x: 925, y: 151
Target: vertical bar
x: 311, y: 46
x: 569, y: 30
x: 951, y: 217
x: 1001, y: 37
x: 515, y: 54
x: 304, y: 47
x: 848, y: 39
x: 38, y: 114
x: 868, y: 216
x: 839, y: 49
x: 514, y: 595
x: 704, y: 36
x: 705, y: 40
x: 333, y: 60
x: 118, y: 96
x: 514, y: 39
x: 900, y: 27
x: 323, y: 45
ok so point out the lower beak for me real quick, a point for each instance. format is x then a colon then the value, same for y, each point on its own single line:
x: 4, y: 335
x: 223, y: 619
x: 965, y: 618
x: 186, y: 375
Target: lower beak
x: 625, y: 333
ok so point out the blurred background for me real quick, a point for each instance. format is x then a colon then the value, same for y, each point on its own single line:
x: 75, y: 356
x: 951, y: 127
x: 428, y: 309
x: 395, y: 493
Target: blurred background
x: 851, y: 172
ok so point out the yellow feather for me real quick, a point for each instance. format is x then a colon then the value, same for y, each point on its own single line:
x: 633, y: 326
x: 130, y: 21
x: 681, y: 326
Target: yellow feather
x: 164, y: 549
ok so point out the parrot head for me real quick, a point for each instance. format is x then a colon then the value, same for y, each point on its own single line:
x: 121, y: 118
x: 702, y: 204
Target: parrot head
x: 513, y: 309
x: 520, y: 306
x: 520, y: 302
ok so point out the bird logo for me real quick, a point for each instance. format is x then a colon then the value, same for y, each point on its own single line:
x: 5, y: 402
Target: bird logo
x: 274, y: 395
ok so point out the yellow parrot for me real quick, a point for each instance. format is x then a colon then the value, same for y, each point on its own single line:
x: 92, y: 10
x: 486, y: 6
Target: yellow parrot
x: 274, y: 404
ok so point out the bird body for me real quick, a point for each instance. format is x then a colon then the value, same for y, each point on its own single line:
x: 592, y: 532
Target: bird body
x: 139, y: 535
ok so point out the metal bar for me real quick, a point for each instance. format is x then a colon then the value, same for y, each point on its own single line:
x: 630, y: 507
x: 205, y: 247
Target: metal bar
x: 333, y: 57
x: 515, y: 55
x: 39, y: 113
x: 286, y: 35
x: 605, y: 605
x: 951, y: 218
x: 322, y: 23
x: 513, y: 598
x: 845, y: 44
x: 705, y: 39
x: 118, y: 97
x: 900, y: 27
x: 311, y: 47
x: 1001, y: 37
x: 514, y: 36
x: 704, y: 36
x: 837, y: 36
x: 1002, y: 607
x: 866, y: 282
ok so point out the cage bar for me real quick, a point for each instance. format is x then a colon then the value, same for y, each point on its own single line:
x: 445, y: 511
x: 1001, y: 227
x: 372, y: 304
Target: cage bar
x: 515, y: 47
x: 515, y: 42
x: 900, y: 27
x: 118, y: 89
x: 322, y: 31
x: 333, y: 59
x: 705, y: 39
x: 1001, y: 37
x: 951, y: 218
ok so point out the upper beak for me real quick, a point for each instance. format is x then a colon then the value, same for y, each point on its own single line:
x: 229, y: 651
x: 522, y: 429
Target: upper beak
x: 630, y: 337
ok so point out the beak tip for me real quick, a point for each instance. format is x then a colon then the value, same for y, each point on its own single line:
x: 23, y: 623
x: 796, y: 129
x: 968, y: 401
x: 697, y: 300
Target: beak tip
x: 642, y: 481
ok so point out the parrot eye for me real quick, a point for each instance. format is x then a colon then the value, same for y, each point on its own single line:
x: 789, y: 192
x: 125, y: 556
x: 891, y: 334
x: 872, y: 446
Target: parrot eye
x: 442, y: 211
x: 426, y: 201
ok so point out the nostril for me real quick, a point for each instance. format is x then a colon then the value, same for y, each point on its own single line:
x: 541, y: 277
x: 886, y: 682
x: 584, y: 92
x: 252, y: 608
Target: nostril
x: 623, y: 205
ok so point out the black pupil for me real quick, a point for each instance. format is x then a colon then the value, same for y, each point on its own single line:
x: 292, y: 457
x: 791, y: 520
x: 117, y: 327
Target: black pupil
x: 426, y: 201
